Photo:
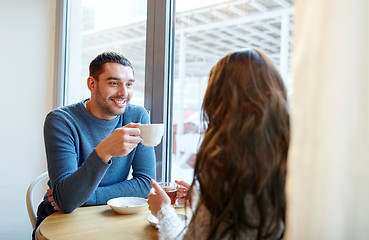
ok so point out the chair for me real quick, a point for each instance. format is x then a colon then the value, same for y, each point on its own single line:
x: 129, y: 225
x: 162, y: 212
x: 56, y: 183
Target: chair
x: 29, y: 197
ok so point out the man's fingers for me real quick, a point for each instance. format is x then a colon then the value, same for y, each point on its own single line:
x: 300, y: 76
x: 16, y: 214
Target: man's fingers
x: 132, y: 125
x: 134, y: 132
x: 134, y: 140
x: 49, y: 192
x: 133, y: 128
x: 130, y: 129
x: 55, y: 206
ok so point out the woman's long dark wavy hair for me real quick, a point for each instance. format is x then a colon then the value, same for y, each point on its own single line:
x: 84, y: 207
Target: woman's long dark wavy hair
x: 244, y: 149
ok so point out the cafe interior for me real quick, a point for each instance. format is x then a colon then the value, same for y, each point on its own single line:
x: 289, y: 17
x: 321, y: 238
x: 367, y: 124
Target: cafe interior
x: 319, y: 47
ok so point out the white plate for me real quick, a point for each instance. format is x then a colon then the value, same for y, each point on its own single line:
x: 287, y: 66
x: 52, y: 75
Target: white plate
x: 154, y: 221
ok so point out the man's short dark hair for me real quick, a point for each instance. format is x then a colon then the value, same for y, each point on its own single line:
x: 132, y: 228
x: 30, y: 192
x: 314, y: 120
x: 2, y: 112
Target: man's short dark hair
x: 96, y: 66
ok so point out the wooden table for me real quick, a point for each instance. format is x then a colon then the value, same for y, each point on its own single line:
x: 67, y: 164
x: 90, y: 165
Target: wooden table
x: 98, y: 222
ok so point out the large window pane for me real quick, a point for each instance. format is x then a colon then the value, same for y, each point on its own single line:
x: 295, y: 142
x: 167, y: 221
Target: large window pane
x: 205, y: 31
x: 105, y: 25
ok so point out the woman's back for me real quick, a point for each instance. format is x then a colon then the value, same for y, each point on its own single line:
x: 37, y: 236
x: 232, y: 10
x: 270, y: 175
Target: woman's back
x: 240, y: 168
x: 199, y: 227
x: 241, y: 163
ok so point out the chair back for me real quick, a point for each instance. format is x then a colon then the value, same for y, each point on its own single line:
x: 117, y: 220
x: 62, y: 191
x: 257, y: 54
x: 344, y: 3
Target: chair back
x: 29, y: 197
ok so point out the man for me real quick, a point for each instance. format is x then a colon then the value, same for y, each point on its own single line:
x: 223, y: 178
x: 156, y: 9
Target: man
x: 91, y: 145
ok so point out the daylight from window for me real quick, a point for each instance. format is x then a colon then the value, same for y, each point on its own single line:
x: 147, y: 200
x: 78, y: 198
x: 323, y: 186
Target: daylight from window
x: 105, y: 25
x: 205, y: 31
x: 204, y: 34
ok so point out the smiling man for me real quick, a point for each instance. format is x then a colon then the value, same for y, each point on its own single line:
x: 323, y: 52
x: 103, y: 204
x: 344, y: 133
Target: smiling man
x: 91, y: 145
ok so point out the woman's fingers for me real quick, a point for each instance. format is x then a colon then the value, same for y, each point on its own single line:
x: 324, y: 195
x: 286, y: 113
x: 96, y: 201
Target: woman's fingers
x: 183, y: 183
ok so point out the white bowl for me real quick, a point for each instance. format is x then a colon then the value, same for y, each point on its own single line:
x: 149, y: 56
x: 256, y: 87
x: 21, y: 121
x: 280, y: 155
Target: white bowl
x: 127, y: 205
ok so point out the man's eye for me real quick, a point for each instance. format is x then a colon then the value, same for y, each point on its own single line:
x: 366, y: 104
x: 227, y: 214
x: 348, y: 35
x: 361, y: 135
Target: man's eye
x: 129, y: 84
x: 114, y: 83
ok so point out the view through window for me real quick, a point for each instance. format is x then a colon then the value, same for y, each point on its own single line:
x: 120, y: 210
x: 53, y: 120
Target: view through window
x: 205, y: 31
x: 105, y: 25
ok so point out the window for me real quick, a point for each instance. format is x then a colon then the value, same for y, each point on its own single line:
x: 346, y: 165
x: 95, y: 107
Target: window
x: 86, y: 28
x: 105, y: 25
x: 205, y: 31
x: 172, y: 63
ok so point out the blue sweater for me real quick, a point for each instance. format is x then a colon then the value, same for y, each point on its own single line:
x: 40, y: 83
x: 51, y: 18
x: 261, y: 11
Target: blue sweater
x: 77, y: 174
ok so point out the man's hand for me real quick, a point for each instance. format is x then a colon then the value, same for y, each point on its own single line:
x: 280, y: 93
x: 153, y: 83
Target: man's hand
x: 120, y: 143
x: 157, y: 198
x: 50, y: 198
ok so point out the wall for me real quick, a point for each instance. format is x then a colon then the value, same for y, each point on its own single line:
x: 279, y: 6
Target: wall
x: 27, y: 30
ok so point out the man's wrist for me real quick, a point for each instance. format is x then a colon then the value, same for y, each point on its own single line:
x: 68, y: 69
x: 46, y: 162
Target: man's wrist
x: 104, y: 156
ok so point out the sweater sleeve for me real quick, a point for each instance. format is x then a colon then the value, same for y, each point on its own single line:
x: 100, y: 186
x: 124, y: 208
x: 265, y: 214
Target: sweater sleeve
x: 171, y: 226
x: 143, y: 166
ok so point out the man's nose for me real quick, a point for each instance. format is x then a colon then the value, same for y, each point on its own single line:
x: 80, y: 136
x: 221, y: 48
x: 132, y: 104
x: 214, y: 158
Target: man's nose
x: 122, y: 90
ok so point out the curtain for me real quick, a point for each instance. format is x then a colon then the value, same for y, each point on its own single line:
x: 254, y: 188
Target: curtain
x: 328, y: 163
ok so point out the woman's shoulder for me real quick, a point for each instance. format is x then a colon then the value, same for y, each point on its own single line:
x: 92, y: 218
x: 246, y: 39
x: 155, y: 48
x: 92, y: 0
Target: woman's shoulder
x: 199, y: 226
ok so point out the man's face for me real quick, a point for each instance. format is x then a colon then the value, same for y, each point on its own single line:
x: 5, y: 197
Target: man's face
x: 111, y: 93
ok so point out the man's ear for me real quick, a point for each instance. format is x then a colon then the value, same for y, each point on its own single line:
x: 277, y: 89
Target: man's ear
x: 91, y: 84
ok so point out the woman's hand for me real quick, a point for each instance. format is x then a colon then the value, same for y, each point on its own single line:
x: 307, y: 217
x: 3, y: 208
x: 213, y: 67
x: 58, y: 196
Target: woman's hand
x: 157, y: 198
x: 182, y: 193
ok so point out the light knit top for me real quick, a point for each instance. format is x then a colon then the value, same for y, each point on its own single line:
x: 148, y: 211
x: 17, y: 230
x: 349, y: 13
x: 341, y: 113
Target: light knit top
x: 171, y: 226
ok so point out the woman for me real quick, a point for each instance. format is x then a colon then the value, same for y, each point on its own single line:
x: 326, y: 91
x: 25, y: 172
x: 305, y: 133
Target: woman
x: 240, y: 167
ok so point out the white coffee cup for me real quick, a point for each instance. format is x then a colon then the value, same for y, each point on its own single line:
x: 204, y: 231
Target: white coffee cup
x: 151, y: 134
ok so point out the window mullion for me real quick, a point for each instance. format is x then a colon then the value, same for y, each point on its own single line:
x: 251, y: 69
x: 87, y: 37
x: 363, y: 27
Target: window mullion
x: 157, y: 76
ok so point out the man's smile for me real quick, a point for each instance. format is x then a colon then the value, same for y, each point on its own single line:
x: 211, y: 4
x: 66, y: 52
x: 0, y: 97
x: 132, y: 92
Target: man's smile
x: 120, y: 102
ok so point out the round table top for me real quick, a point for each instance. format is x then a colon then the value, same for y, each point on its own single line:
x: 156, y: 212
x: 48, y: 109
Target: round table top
x: 98, y: 222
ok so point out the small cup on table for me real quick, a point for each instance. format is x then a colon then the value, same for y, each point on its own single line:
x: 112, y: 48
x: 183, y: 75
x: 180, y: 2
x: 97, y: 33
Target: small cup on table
x: 171, y: 189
